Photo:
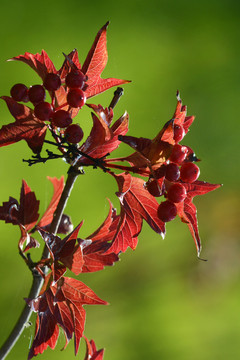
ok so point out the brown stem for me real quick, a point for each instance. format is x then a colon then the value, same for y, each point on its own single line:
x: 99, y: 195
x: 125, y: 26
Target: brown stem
x: 37, y: 280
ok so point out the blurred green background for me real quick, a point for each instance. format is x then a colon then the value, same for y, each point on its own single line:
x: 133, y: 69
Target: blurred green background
x: 165, y: 303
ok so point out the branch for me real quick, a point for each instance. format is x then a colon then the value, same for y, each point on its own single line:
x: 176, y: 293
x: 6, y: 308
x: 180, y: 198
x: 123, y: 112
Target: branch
x: 37, y: 279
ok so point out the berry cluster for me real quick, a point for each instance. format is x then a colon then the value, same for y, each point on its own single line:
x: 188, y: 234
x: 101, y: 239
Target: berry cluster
x: 45, y: 111
x: 169, y: 179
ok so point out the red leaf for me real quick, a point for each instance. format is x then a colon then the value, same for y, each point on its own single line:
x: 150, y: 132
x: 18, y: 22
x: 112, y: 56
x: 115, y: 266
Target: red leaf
x: 103, y: 139
x: 28, y: 209
x: 46, y: 334
x: 136, y: 204
x: 180, y: 117
x: 26, y: 127
x: 187, y: 210
x: 150, y: 154
x: 41, y: 63
x: 26, y: 238
x: 9, y: 211
x: 66, y: 67
x: 91, y: 352
x: 95, y: 257
x: 58, y: 186
x: 64, y: 251
x: 95, y: 63
x: 61, y: 304
x: 104, y: 232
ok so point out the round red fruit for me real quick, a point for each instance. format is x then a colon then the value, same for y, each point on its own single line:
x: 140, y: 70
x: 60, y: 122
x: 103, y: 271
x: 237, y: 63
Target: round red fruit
x: 36, y: 94
x: 61, y: 118
x: 76, y: 98
x: 52, y: 82
x: 43, y: 111
x: 167, y: 211
x: 172, y: 172
x: 176, y: 193
x: 73, y: 133
x: 189, y: 172
x: 179, y: 132
x: 153, y: 187
x: 178, y: 154
x: 19, y: 92
x: 75, y: 79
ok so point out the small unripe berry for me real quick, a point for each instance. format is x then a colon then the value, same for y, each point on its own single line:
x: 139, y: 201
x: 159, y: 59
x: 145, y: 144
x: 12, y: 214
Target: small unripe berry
x: 73, y: 133
x: 19, y: 92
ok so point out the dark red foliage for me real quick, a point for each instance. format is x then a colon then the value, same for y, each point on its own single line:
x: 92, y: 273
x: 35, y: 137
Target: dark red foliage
x: 61, y: 305
x: 165, y: 169
x: 136, y: 204
x: 26, y: 127
x: 91, y: 352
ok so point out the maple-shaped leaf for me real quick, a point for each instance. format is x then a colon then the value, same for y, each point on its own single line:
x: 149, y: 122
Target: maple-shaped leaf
x: 149, y: 154
x: 94, y: 255
x: 180, y: 116
x: 58, y: 185
x: 91, y: 352
x: 95, y: 63
x: 25, y: 212
x: 26, y: 127
x: 103, y: 138
x: 67, y: 252
x: 187, y: 210
x: 28, y: 208
x: 136, y: 204
x: 41, y: 63
x: 61, y: 304
x: 93, y: 67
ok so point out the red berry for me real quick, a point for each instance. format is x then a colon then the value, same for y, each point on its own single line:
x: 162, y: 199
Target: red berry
x: 172, y: 172
x: 160, y: 172
x: 61, y: 118
x: 176, y: 193
x: 36, y: 94
x: 74, y: 133
x: 43, y: 111
x: 189, y: 172
x: 167, y: 211
x: 153, y: 187
x: 52, y: 82
x: 19, y: 92
x: 76, y: 98
x: 178, y: 154
x: 75, y: 79
x: 179, y: 132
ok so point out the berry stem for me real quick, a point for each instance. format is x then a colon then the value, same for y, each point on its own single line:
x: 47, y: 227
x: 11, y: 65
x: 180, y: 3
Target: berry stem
x: 37, y: 279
